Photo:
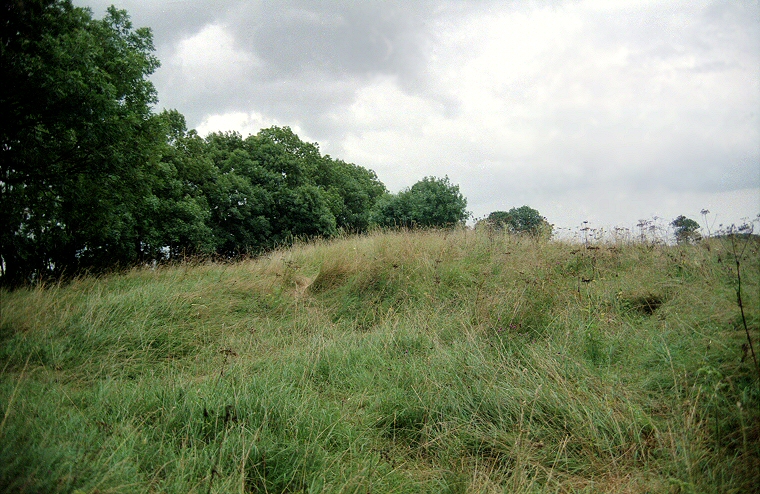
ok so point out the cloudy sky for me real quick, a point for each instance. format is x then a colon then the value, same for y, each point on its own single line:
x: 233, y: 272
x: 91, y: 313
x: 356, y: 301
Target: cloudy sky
x: 590, y: 110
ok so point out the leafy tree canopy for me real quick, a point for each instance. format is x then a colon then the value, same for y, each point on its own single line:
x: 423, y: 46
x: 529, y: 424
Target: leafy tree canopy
x: 520, y: 220
x: 76, y: 136
x: 92, y: 178
x: 431, y: 202
x: 686, y: 229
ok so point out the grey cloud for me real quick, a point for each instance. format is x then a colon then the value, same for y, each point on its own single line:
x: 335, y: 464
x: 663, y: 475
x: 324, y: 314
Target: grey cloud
x: 169, y: 20
x: 665, y: 126
x: 706, y: 170
x: 330, y: 50
x: 312, y: 58
x: 348, y: 39
x: 315, y: 55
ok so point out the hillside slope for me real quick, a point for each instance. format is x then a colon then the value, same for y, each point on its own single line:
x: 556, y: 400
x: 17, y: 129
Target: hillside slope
x: 455, y: 361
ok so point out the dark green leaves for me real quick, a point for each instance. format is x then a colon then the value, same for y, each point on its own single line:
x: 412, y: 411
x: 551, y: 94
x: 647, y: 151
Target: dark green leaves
x: 520, y: 220
x: 76, y: 136
x: 431, y: 202
x: 685, y: 229
x: 91, y: 178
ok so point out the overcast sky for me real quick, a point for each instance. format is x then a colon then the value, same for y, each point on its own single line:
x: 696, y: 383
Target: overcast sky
x: 601, y: 110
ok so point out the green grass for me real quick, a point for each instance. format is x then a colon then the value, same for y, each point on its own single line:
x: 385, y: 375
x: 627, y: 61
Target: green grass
x: 394, y: 362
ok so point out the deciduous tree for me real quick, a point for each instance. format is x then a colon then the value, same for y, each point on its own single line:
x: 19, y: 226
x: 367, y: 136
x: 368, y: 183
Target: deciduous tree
x: 686, y: 229
x: 431, y: 202
x: 76, y: 135
x: 522, y: 220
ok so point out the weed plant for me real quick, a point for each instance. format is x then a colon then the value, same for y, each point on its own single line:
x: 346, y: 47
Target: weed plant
x: 438, y: 361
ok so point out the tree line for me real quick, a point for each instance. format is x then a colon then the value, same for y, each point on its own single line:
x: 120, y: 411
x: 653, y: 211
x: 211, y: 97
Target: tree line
x: 91, y: 177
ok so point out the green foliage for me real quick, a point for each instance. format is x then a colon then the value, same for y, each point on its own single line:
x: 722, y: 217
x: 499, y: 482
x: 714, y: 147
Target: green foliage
x: 305, y: 213
x: 431, y: 202
x: 174, y: 213
x: 77, y: 136
x: 91, y: 178
x: 520, y: 220
x: 273, y: 187
x: 685, y: 229
x: 352, y: 192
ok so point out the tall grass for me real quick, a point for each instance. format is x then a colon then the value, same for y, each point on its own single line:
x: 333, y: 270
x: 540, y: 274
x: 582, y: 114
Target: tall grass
x: 453, y: 361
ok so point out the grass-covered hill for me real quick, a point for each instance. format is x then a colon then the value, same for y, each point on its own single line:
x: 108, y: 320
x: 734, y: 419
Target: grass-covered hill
x: 455, y: 361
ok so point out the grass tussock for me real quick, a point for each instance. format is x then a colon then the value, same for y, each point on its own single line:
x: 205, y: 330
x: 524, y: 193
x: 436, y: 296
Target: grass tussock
x: 453, y: 361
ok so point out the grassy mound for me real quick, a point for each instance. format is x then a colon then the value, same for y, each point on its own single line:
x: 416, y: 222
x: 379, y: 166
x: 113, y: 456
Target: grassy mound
x: 397, y: 362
